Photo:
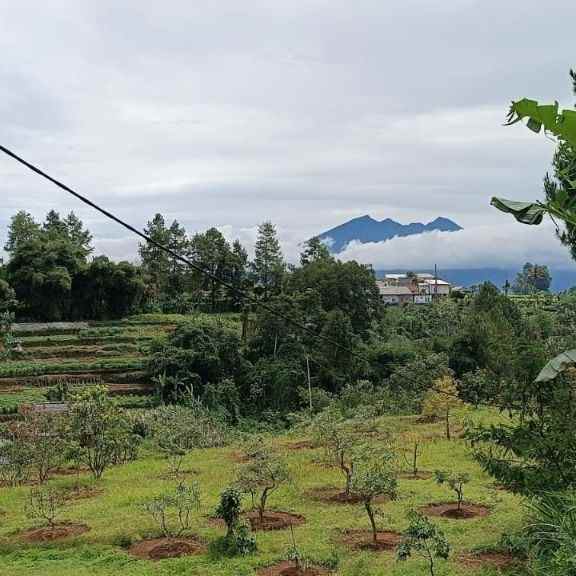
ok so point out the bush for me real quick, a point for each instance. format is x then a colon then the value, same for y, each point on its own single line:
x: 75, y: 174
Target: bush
x: 238, y: 540
x: 172, y: 511
x: 44, y: 504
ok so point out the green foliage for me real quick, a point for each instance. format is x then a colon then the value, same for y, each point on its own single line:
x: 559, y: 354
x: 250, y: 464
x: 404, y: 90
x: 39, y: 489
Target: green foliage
x: 261, y: 476
x: 374, y: 474
x: 456, y: 481
x: 98, y: 429
x: 173, y: 511
x: 193, y: 356
x: 552, y: 534
x: 238, y: 540
x: 44, y: 504
x: 104, y: 290
x: 533, y: 278
x: 268, y: 266
x: 424, y: 539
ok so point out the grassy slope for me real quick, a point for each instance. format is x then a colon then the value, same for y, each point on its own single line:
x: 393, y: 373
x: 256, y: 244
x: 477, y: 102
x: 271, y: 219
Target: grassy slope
x: 116, y: 514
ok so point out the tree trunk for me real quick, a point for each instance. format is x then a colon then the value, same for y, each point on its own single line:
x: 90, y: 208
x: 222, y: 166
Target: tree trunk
x: 415, y: 461
x: 448, y: 437
x: 262, y: 506
x: 368, y: 506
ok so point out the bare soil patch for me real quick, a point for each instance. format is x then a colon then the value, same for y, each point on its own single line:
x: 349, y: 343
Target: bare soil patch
x: 422, y: 475
x: 288, y: 568
x: 333, y: 495
x: 488, y: 558
x: 450, y: 510
x: 161, y: 548
x: 386, y: 540
x: 273, y: 520
x: 238, y: 457
x: 56, y: 532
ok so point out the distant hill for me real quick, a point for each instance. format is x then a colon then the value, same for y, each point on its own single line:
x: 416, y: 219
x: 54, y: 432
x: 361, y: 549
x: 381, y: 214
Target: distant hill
x: 366, y: 229
x: 561, y: 279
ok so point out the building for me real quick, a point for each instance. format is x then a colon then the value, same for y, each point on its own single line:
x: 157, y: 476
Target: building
x: 411, y: 288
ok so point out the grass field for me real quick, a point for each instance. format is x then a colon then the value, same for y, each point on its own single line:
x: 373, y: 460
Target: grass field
x: 116, y: 518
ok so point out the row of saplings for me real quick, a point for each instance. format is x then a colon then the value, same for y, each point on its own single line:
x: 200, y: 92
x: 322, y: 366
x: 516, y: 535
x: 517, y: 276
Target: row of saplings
x: 96, y: 433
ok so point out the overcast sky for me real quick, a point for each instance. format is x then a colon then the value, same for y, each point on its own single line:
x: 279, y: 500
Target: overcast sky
x: 307, y: 113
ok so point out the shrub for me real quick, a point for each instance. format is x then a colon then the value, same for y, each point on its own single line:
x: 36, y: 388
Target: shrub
x: 329, y: 431
x: 373, y: 476
x: 99, y: 430
x: 44, y: 504
x: 423, y: 539
x: 173, y: 511
x: 455, y: 481
x: 264, y: 474
x: 238, y: 540
x: 441, y: 399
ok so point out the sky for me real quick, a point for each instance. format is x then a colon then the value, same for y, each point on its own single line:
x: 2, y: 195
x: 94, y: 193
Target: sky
x: 306, y: 113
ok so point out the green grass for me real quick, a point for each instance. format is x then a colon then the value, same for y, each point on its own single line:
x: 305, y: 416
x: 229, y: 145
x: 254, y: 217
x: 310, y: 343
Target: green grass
x: 19, y: 368
x: 117, y: 515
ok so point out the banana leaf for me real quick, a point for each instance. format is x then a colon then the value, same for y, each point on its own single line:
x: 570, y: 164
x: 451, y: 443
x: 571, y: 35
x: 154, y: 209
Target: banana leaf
x: 525, y: 212
x: 556, y: 366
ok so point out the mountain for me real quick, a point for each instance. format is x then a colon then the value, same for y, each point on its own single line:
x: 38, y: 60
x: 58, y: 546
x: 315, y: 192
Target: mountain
x: 366, y: 229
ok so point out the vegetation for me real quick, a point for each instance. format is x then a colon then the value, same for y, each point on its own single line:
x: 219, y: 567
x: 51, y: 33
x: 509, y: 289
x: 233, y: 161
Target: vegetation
x: 173, y: 511
x: 374, y: 476
x: 423, y: 539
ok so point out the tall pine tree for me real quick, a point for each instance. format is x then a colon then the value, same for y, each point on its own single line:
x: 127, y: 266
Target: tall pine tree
x: 268, y: 265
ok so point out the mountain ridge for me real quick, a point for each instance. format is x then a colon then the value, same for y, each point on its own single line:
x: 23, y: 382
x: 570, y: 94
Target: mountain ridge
x: 365, y: 229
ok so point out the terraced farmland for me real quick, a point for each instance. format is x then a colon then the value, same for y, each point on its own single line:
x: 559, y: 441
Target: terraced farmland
x: 80, y: 354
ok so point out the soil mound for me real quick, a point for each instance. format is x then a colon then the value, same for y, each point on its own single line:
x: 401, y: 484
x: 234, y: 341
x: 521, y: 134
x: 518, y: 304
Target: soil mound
x: 363, y: 540
x: 161, y: 548
x: 56, y: 532
x: 450, y: 510
x: 289, y: 569
x: 488, y: 558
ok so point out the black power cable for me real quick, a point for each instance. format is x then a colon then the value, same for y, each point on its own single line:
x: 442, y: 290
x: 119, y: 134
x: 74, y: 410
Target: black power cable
x: 238, y: 291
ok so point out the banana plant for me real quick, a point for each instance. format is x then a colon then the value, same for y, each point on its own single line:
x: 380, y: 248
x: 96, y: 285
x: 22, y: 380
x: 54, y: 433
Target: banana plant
x: 561, y: 125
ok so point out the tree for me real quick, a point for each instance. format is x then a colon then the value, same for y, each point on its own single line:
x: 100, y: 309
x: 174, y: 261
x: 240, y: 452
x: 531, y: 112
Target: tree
x: 456, y: 481
x: 8, y: 302
x: 374, y: 476
x: 97, y: 427
x: 264, y: 474
x: 238, y: 274
x: 268, y: 265
x: 536, y: 453
x: 533, y: 278
x: 79, y: 236
x: 107, y: 290
x: 314, y: 251
x: 415, y: 446
x: 22, y: 228
x: 156, y: 262
x: 195, y: 354
x: 238, y: 540
x: 423, y: 539
x: 212, y: 253
x: 440, y: 400
x: 44, y: 504
x: 173, y: 511
x: 70, y: 230
x: 329, y: 431
x: 42, y: 437
x: 560, y: 187
x: 41, y: 273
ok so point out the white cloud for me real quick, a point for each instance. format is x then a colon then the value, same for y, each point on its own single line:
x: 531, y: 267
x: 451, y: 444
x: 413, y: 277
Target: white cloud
x: 498, y: 245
